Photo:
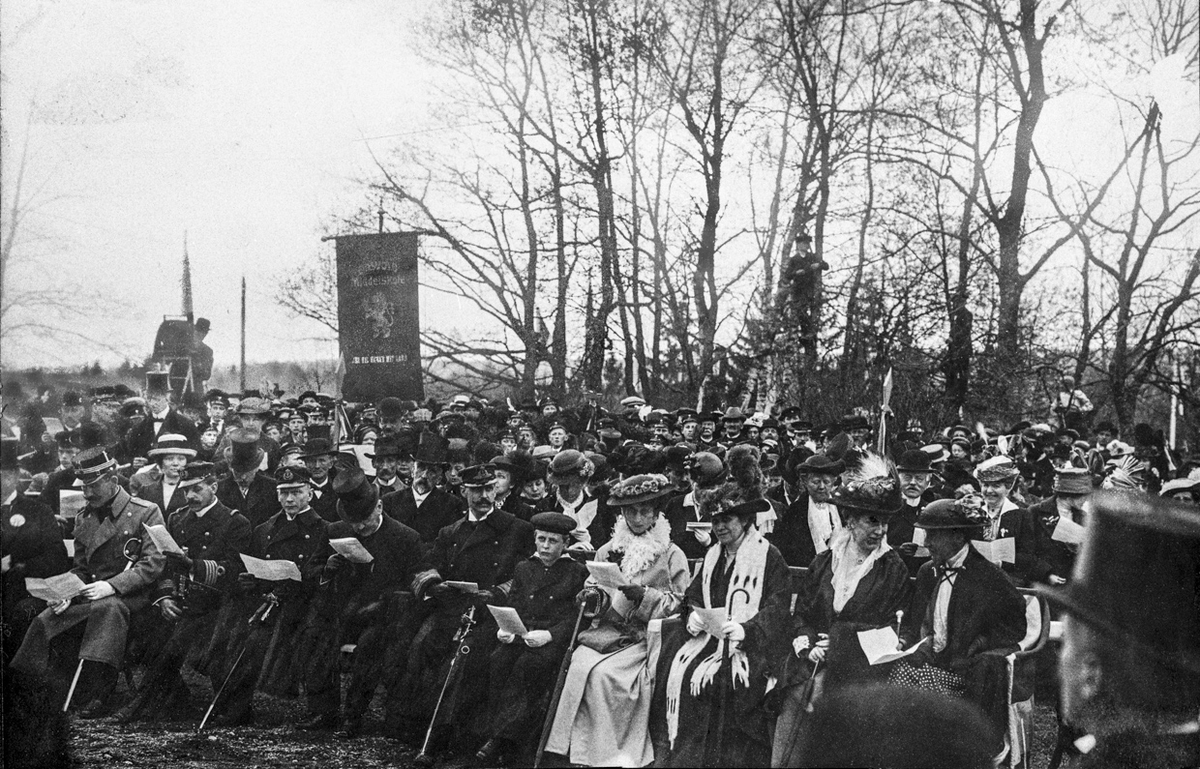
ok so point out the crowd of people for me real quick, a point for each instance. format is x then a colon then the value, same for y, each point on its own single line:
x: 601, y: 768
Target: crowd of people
x: 602, y: 587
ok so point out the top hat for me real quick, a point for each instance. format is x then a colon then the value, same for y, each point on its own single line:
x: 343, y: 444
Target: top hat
x: 389, y: 447
x: 158, y: 382
x: 170, y: 443
x: 203, y: 325
x: 1137, y: 583
x: 357, y: 497
x: 318, y: 447
x: 91, y: 464
x: 855, y: 422
x: 640, y: 488
x: 431, y: 449
x: 244, y: 452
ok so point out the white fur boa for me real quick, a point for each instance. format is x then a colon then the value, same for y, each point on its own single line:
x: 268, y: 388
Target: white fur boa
x: 749, y: 569
x: 640, y: 551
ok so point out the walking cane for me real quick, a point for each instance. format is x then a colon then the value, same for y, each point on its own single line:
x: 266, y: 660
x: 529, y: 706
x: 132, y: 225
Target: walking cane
x: 260, y: 616
x: 556, y: 695
x: 132, y: 550
x: 724, y: 673
x: 468, y: 621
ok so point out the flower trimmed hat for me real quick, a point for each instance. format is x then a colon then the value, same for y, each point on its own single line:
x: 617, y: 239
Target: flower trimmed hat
x: 640, y: 488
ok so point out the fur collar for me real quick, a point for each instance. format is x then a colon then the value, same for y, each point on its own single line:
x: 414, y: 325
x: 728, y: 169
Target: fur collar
x: 639, y: 552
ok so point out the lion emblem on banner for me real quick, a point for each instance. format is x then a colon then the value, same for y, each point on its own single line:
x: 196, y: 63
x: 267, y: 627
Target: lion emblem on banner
x: 380, y: 316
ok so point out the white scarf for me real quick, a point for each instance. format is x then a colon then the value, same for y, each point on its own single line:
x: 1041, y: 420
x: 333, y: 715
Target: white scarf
x: 846, y: 575
x: 823, y: 523
x: 749, y: 567
x: 640, y: 550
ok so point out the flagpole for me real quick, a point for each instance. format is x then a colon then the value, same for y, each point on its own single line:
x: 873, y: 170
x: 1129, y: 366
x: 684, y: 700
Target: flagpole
x: 243, y: 356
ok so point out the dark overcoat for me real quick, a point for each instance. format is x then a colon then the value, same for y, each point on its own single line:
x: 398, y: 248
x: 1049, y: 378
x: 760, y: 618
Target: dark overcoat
x: 439, y: 510
x: 259, y: 503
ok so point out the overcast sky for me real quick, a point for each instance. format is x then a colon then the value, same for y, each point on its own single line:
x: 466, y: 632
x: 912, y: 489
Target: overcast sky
x: 241, y: 123
x: 245, y: 124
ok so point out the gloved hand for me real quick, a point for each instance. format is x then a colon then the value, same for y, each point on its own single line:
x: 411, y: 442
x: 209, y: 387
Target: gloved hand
x: 694, y: 624
x: 800, y: 645
x: 703, y: 536
x: 818, y: 652
x: 334, y: 564
x: 170, y: 609
x: 634, y: 593
x: 536, y: 638
x: 733, y: 631
x: 179, y: 561
x: 505, y: 637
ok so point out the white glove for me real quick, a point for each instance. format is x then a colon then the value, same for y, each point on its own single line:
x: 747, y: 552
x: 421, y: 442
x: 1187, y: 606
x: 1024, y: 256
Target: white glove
x: 505, y: 637
x: 703, y: 536
x: 817, y: 654
x: 800, y: 645
x: 734, y: 631
x: 536, y: 638
x: 694, y: 624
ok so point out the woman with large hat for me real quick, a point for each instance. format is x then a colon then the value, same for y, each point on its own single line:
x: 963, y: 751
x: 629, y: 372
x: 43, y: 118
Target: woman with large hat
x: 859, y: 583
x: 171, y: 453
x: 604, y: 712
x: 719, y: 676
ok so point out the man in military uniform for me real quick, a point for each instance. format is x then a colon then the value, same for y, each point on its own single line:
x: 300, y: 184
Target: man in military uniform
x: 120, y: 565
x: 522, y: 670
x: 190, y: 592
x: 483, y: 548
x: 360, y: 603
x: 266, y: 617
x: 31, y: 544
x: 246, y: 489
x: 424, y: 507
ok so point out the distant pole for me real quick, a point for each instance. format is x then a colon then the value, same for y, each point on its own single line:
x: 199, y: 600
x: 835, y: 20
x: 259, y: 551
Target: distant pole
x: 243, y: 376
x: 381, y: 215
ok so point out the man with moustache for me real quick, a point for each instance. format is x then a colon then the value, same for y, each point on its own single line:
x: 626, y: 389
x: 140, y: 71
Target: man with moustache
x: 319, y: 457
x: 191, y: 590
x: 359, y: 603
x: 811, y: 520
x: 915, y: 475
x: 245, y: 488
x: 424, y: 507
x: 119, y: 564
x: 484, y: 548
x: 388, y: 456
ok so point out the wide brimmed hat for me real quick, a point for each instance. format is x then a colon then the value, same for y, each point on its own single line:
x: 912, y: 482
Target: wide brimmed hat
x: 1137, y: 582
x: 969, y: 512
x: 197, y: 472
x: 570, y: 463
x: 171, y: 443
x: 92, y: 463
x: 750, y: 509
x: 356, y: 495
x: 640, y: 488
x: 1179, y: 484
x: 244, y: 452
x: 915, y: 461
x: 819, y: 464
x: 996, y: 470
x: 877, y: 495
x: 633, y: 400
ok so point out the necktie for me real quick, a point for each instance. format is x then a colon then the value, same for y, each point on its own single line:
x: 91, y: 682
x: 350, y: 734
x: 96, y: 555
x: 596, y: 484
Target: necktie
x: 945, y: 573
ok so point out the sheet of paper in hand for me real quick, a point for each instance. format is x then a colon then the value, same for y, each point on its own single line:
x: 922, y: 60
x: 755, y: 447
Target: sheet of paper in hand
x: 351, y: 549
x: 272, y: 571
x: 1067, y: 531
x: 55, y: 589
x: 919, y: 540
x: 508, y: 620
x: 606, y: 574
x: 699, y: 525
x: 880, y: 645
x: 466, y: 587
x: 162, y: 539
x: 997, y: 551
x: 712, y: 619
x: 70, y: 503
